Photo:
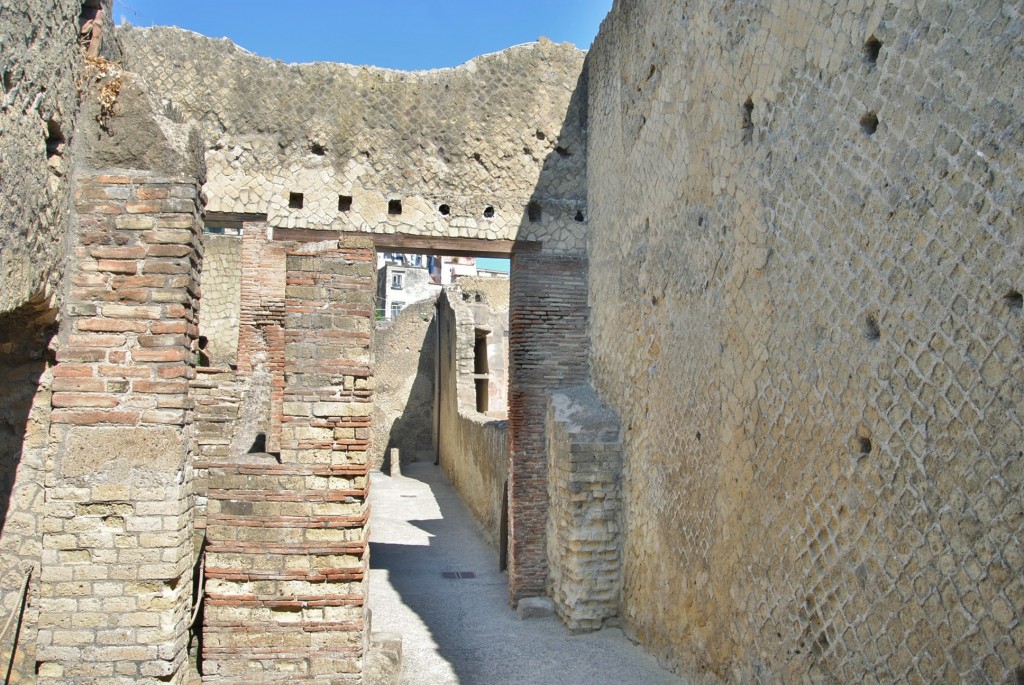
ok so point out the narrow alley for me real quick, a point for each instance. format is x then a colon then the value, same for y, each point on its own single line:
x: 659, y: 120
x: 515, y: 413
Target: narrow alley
x: 434, y: 580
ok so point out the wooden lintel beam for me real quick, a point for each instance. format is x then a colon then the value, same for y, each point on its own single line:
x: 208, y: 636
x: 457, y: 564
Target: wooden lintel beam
x: 232, y: 219
x: 414, y: 244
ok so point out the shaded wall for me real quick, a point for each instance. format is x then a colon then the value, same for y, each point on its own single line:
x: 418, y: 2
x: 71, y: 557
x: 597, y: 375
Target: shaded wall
x: 473, y: 446
x: 26, y: 367
x: 805, y: 279
x: 403, y: 353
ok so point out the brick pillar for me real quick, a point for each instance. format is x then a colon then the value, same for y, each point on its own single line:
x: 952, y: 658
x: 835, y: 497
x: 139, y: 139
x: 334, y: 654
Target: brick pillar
x: 548, y: 317
x: 287, y: 550
x: 117, y: 548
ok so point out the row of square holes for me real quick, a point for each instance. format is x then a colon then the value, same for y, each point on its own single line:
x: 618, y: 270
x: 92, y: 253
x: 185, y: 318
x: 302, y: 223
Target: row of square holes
x: 533, y: 212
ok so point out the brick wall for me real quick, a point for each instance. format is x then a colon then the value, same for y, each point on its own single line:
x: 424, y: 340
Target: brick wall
x: 287, y: 550
x: 117, y: 546
x: 548, y: 316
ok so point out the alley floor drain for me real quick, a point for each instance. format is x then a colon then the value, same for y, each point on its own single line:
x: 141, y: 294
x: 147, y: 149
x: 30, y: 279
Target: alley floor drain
x: 458, y: 574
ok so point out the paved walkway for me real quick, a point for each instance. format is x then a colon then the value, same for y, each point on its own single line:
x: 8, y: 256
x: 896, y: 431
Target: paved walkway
x: 461, y: 630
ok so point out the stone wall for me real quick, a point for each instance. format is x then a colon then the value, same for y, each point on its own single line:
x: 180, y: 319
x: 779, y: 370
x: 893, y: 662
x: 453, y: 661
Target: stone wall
x: 40, y: 68
x: 26, y: 367
x: 452, y: 152
x: 472, y: 446
x: 404, y: 352
x: 805, y: 277
x: 222, y: 288
x: 584, y: 505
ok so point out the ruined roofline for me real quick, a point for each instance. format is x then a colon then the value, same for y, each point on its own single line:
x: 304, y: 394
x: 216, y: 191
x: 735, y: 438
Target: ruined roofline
x: 469, y: 65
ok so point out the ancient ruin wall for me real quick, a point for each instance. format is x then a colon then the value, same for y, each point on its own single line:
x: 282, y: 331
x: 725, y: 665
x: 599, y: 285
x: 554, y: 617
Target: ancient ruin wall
x: 463, y: 150
x: 40, y: 66
x: 222, y: 285
x: 805, y: 278
x: 473, y: 446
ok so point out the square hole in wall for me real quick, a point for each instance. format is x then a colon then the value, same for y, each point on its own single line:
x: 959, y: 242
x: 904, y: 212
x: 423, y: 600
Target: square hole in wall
x: 394, y: 207
x: 295, y: 200
x: 533, y: 212
x: 344, y: 203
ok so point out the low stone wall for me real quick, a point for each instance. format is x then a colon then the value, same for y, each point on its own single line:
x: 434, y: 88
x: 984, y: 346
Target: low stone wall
x: 584, y: 503
x: 473, y: 447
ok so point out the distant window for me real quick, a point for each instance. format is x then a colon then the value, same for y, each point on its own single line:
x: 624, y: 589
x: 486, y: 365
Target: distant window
x: 396, y: 280
x: 396, y: 308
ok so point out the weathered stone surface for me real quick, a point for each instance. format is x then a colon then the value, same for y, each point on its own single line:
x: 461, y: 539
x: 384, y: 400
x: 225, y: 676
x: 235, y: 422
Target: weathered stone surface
x: 535, y: 607
x: 501, y: 131
x: 123, y: 455
x: 801, y: 317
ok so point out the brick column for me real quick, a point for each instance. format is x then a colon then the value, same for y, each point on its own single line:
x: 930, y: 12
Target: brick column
x: 117, y: 548
x: 287, y: 555
x: 548, y: 317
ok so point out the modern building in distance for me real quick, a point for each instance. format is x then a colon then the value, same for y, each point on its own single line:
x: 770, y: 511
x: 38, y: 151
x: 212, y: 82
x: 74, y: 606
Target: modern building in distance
x: 403, y: 279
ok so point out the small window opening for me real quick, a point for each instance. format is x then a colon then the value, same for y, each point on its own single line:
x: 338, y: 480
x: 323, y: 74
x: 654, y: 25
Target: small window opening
x: 295, y: 200
x: 533, y: 212
x: 445, y: 210
x: 397, y: 280
x: 579, y: 216
x: 344, y: 203
x: 396, y: 309
x: 869, y: 123
x: 394, y: 207
x: 481, y: 368
x: 489, y: 212
x: 872, y: 48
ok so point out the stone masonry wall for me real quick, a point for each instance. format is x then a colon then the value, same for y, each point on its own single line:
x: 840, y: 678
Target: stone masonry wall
x: 40, y: 68
x: 26, y: 367
x: 222, y: 284
x: 484, y: 139
x: 117, y: 552
x: 473, y: 447
x: 584, y: 504
x: 806, y: 285
x: 403, y: 356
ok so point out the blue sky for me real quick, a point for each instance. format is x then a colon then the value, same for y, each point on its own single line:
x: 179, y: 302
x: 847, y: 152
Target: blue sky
x: 399, y: 34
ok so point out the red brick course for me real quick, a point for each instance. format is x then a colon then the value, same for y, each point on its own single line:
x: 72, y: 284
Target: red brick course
x: 548, y: 316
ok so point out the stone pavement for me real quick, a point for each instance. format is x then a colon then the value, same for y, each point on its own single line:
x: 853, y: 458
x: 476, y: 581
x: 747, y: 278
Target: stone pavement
x: 461, y: 629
